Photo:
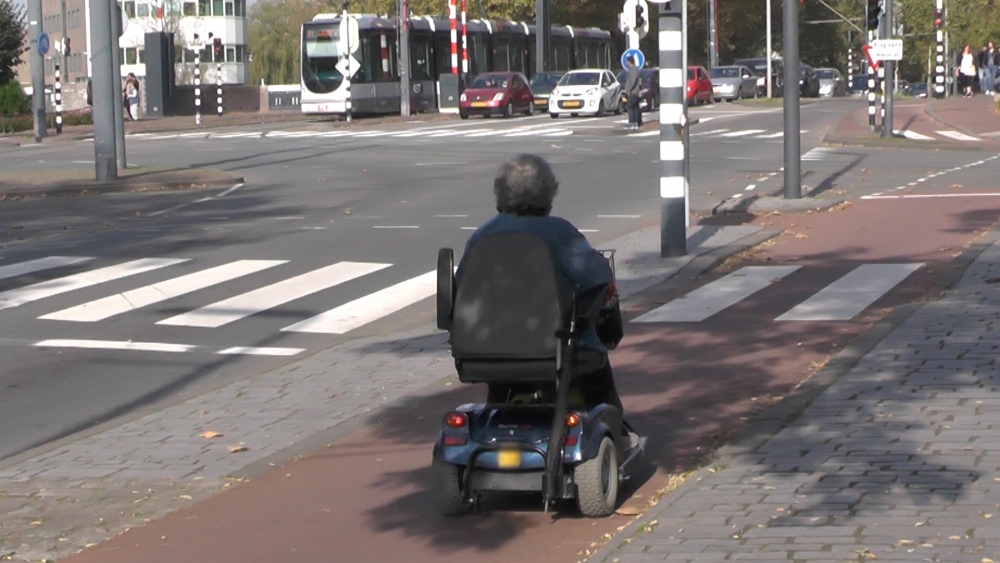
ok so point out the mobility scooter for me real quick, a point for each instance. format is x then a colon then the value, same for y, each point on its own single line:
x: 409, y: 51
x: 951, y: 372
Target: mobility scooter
x: 514, y: 325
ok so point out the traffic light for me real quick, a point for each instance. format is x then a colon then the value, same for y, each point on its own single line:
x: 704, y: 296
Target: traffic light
x: 938, y: 19
x: 640, y: 16
x: 217, y: 48
x: 873, y: 13
x: 65, y: 46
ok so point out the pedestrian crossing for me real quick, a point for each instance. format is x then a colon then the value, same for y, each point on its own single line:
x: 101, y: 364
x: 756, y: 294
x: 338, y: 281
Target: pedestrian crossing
x: 210, y: 304
x: 946, y: 135
x: 840, y: 300
x: 428, y: 133
x: 741, y: 134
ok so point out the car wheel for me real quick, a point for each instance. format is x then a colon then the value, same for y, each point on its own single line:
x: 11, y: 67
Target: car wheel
x: 597, y: 482
x: 531, y: 109
x: 600, y: 109
x: 463, y: 114
x: 739, y: 93
x: 508, y: 110
x: 554, y: 115
x: 619, y: 106
x: 447, y: 489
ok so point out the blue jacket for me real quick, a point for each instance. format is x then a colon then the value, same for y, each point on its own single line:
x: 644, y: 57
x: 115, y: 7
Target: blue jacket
x: 583, y: 266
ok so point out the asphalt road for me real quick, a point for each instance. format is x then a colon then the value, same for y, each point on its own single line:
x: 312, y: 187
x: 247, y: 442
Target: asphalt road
x: 383, y: 198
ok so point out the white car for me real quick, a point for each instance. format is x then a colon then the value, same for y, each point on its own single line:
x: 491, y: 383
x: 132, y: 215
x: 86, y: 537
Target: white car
x: 586, y: 92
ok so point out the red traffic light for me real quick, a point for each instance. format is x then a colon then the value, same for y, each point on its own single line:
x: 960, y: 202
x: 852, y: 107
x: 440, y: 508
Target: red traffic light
x: 938, y: 18
x: 217, y: 46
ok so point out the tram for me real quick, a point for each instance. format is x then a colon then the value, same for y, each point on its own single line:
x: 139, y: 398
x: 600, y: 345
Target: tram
x: 375, y: 87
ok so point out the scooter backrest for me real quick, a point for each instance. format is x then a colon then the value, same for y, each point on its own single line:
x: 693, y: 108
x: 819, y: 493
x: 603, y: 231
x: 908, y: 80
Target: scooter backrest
x: 509, y: 301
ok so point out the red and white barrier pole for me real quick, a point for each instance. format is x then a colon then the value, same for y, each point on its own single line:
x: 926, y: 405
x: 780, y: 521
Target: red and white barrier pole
x: 454, y: 37
x: 465, y: 44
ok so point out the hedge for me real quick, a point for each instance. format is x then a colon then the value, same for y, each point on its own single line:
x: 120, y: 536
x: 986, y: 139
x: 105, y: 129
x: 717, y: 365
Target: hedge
x: 26, y: 123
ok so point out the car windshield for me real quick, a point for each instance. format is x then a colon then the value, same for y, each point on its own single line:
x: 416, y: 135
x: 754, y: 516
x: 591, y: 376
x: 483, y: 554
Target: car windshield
x: 581, y: 79
x: 725, y: 72
x: 757, y: 66
x: 490, y: 81
x: 546, y: 79
x: 825, y: 74
x: 920, y: 87
x: 320, y: 55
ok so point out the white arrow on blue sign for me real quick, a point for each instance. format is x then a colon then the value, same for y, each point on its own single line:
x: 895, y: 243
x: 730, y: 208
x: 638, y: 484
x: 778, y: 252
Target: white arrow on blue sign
x: 640, y: 59
x: 44, y: 44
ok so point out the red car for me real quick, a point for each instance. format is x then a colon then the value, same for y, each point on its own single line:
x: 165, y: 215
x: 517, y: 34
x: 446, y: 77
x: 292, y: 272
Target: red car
x: 699, y: 86
x: 504, y: 93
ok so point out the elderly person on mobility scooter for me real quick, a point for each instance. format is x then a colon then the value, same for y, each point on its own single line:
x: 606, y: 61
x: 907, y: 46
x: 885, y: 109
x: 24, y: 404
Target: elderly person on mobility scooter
x: 531, y: 312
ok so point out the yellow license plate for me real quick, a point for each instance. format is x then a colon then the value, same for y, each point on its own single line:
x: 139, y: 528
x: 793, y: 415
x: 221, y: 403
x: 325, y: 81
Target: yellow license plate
x: 509, y: 458
x: 572, y: 104
x: 479, y: 104
x: 541, y: 101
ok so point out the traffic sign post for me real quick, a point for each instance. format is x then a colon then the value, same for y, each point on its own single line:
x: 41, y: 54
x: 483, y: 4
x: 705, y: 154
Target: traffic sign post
x: 886, y: 50
x: 890, y: 51
x: 640, y: 59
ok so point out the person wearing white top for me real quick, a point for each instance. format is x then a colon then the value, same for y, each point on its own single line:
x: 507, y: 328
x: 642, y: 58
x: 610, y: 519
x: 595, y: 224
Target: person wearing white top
x: 967, y: 70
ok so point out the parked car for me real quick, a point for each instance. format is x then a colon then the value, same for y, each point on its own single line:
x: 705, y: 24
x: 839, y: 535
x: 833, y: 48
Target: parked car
x: 733, y: 83
x: 858, y: 85
x: 759, y: 68
x: 504, y: 93
x: 541, y: 86
x: 919, y: 90
x: 649, y: 91
x: 586, y: 92
x: 699, y: 90
x: 831, y: 82
x: 808, y: 82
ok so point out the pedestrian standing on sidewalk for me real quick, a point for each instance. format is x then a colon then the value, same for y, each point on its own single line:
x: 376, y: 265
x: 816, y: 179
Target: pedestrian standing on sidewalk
x: 132, y: 96
x: 991, y: 64
x: 966, y: 70
x: 981, y: 65
x: 633, y: 84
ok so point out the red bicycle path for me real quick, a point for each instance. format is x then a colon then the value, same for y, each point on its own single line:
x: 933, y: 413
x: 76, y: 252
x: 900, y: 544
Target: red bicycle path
x: 687, y: 386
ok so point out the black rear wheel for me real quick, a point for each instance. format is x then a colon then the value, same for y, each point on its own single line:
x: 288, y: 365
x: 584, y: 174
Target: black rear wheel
x: 446, y: 487
x: 597, y: 482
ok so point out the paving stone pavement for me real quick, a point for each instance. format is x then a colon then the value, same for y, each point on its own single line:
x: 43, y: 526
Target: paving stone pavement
x: 60, y: 501
x: 898, y: 460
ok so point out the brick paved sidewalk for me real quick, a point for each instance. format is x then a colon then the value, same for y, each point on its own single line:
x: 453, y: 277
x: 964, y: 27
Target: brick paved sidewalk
x: 85, y: 490
x: 898, y: 460
x: 977, y: 116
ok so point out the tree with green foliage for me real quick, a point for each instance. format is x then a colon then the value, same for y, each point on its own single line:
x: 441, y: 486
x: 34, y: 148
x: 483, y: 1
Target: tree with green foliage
x: 11, y: 39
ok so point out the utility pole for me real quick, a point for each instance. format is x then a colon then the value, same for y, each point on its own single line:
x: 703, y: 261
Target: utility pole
x: 543, y: 35
x: 37, y: 61
x: 888, y: 30
x: 104, y: 92
x: 117, y: 25
x: 713, y: 33
x: 793, y: 146
x: 673, y: 125
x: 404, y: 58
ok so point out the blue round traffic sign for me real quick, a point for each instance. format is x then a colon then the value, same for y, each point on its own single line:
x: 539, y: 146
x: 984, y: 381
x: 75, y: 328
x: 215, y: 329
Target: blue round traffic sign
x: 640, y: 59
x: 43, y: 44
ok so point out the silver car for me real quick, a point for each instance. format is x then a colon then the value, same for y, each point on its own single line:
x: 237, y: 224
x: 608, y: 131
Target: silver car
x: 733, y: 83
x: 831, y: 82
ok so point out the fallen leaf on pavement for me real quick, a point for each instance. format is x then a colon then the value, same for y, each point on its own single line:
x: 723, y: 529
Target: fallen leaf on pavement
x: 211, y: 434
x: 800, y: 235
x: 237, y: 449
x: 185, y: 497
x: 955, y: 186
x: 627, y: 511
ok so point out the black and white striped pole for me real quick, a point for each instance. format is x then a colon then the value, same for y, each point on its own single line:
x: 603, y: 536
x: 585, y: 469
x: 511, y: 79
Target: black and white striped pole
x: 346, y: 34
x: 197, y: 80
x: 939, y: 66
x: 58, y: 93
x: 871, y: 90
x: 673, y: 125
x: 218, y: 87
x: 850, y: 66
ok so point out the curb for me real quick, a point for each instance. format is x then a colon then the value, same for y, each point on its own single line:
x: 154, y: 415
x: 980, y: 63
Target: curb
x: 896, y: 142
x: 311, y: 444
x: 762, y: 428
x: 124, y: 188
x: 763, y: 204
x: 934, y: 115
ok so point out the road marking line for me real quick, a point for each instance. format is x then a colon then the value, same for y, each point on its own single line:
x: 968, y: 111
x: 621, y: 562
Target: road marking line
x: 922, y: 196
x: 645, y: 134
x: 395, y: 226
x: 230, y: 190
x: 369, y: 308
x: 253, y: 302
x: 771, y: 136
x: 17, y: 297
x: 148, y: 295
x: 958, y: 136
x: 117, y: 345
x: 724, y: 292
x: 709, y: 132
x: 237, y: 135
x: 468, y: 228
x: 750, y: 187
x: 450, y: 216
x: 589, y: 231
x: 851, y: 294
x: 291, y: 134
x: 261, y: 351
x: 439, y: 163
x: 168, y: 210
x: 619, y: 216
x: 562, y: 133
x: 39, y: 264
x: 914, y: 135
x: 744, y: 133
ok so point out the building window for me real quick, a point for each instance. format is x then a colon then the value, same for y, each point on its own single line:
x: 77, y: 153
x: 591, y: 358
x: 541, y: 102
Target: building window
x: 131, y: 56
x: 204, y: 8
x: 217, y: 7
x: 230, y: 54
x: 190, y: 9
x: 142, y: 10
x: 229, y: 8
x: 241, y: 8
x: 130, y: 9
x: 240, y: 53
x: 142, y: 56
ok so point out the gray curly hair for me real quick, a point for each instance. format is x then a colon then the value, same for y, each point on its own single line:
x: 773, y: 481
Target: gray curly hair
x: 525, y: 185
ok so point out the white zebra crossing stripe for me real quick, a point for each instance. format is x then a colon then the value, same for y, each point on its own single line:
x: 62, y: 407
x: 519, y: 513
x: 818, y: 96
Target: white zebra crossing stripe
x: 240, y: 306
x: 745, y: 133
x: 958, y: 136
x: 914, y: 135
x: 369, y: 308
x: 237, y: 135
x: 259, y: 351
x: 709, y: 299
x: 851, y: 294
x: 20, y: 296
x: 117, y: 345
x: 144, y: 296
x: 38, y: 265
x: 771, y: 136
x: 714, y: 132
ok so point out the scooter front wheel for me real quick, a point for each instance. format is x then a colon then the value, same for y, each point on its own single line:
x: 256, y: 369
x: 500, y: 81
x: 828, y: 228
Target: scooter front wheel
x: 446, y: 485
x: 597, y: 482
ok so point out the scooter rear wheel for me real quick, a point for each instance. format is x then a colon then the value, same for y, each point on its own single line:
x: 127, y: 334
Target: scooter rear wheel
x: 446, y: 483
x: 597, y: 482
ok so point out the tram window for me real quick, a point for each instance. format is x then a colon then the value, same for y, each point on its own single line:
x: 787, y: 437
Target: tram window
x: 563, y: 60
x: 517, y: 55
x: 479, y: 55
x: 442, y: 53
x: 421, y: 59
x: 501, y: 55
